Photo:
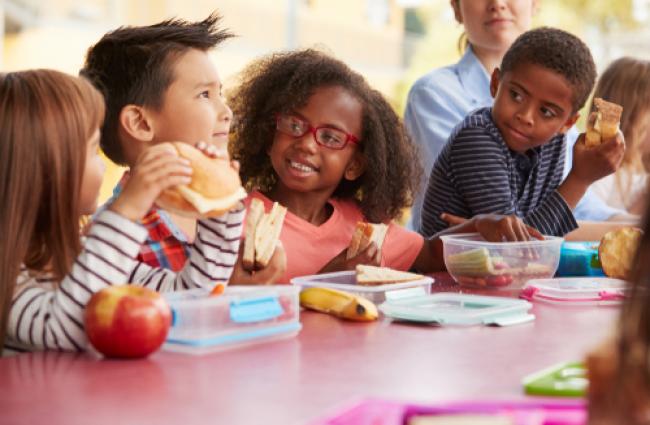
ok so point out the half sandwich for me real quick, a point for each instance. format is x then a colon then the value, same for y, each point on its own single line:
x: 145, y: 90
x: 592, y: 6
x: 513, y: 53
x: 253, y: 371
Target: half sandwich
x: 372, y: 276
x: 214, y: 190
x: 364, y: 234
x: 262, y: 232
x: 603, y: 122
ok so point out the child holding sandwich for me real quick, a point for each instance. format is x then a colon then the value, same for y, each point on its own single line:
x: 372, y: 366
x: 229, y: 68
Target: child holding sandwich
x: 509, y: 158
x: 52, y: 172
x: 160, y: 85
x: 316, y: 138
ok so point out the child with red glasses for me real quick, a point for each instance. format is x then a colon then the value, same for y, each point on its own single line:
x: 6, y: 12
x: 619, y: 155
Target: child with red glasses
x: 315, y: 137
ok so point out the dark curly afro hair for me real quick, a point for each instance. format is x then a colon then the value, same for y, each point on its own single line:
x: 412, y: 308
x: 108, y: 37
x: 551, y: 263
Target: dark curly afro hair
x: 282, y: 83
x: 558, y: 51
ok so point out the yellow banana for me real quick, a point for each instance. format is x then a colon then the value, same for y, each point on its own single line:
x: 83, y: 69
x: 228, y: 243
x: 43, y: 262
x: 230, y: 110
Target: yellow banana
x: 339, y: 303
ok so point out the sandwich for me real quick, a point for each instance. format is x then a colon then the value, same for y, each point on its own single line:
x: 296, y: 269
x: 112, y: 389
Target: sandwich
x: 364, y: 234
x: 262, y: 232
x: 603, y: 122
x: 373, y: 276
x: 617, y: 251
x: 214, y: 190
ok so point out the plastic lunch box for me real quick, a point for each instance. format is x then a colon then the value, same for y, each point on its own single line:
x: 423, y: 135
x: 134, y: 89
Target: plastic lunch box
x: 476, y: 263
x: 579, y: 259
x: 572, y: 291
x: 346, y: 281
x: 240, y: 316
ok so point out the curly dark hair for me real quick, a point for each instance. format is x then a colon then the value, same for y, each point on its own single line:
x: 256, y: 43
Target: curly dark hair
x: 560, y: 52
x: 134, y: 65
x: 284, y: 82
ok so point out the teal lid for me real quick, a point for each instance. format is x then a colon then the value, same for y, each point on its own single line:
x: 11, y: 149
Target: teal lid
x: 459, y: 309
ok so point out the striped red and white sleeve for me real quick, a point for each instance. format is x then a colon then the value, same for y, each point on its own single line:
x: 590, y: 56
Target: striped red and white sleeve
x: 212, y: 257
x: 47, y: 316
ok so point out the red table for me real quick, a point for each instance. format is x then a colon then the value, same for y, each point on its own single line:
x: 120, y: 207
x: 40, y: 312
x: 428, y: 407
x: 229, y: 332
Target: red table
x: 330, y: 364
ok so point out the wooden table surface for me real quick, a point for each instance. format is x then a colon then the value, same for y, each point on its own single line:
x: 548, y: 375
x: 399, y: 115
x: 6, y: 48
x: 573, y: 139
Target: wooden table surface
x: 329, y: 364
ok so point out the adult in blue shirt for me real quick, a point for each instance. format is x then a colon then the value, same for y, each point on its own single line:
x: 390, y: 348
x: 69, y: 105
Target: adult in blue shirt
x: 440, y: 100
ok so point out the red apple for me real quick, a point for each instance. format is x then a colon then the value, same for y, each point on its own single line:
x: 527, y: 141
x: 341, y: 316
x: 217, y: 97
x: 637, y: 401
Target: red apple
x: 127, y: 321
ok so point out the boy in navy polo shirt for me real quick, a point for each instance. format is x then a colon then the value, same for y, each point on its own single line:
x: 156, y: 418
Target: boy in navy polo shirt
x: 508, y: 159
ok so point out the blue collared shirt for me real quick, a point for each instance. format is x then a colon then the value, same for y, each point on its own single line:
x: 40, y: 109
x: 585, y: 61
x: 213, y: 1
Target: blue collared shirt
x: 441, y: 99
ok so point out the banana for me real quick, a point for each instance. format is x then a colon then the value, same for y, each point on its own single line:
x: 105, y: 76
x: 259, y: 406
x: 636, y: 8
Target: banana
x: 339, y: 303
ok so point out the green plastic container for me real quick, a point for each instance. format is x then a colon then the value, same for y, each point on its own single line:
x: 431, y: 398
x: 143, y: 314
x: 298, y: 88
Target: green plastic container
x: 564, y: 380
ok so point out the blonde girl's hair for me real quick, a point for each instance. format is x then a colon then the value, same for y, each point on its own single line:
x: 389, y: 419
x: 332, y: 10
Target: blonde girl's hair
x: 46, y: 120
x: 626, y: 81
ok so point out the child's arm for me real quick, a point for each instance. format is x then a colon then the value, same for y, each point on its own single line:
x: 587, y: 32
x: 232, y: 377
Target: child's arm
x: 590, y: 164
x: 481, y: 177
x: 211, y: 260
x: 47, y: 315
x: 213, y: 254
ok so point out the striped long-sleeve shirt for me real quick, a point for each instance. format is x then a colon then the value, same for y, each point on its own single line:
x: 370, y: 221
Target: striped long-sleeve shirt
x: 48, y: 315
x: 476, y: 173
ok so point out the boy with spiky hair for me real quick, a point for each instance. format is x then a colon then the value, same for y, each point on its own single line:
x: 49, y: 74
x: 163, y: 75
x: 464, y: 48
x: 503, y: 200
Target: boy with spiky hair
x: 509, y: 158
x: 160, y: 85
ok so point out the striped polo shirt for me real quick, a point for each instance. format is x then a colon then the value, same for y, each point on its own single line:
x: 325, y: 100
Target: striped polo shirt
x: 476, y: 173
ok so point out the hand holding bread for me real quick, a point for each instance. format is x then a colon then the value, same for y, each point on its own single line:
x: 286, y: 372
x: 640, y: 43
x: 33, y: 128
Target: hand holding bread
x: 364, y: 234
x: 215, y: 187
x: 157, y: 169
x: 261, y: 233
x: 602, y: 124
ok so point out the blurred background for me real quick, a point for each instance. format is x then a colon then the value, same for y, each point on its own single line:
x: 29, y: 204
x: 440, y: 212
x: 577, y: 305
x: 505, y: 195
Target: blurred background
x: 391, y: 42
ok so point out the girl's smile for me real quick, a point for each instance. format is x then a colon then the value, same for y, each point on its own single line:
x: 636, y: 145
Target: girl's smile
x: 302, y: 163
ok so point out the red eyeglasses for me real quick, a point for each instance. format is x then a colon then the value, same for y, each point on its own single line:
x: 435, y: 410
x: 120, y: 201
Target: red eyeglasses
x: 329, y: 137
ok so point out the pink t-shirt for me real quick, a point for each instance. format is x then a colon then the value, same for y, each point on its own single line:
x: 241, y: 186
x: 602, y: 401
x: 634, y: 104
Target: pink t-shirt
x: 309, y: 248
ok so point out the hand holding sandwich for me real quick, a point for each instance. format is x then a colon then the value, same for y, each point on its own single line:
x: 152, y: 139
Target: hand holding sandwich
x: 370, y: 255
x: 591, y: 163
x: 157, y: 169
x: 196, y: 181
x: 266, y: 275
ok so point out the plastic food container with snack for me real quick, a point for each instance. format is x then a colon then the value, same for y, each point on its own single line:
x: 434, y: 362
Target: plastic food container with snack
x: 346, y: 281
x: 476, y: 263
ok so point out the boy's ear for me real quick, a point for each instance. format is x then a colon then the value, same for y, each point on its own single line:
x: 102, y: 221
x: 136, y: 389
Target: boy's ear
x: 494, y: 82
x: 570, y: 122
x: 135, y: 121
x: 356, y: 167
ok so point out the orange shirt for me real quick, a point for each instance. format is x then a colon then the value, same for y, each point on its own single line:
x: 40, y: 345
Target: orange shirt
x: 309, y: 248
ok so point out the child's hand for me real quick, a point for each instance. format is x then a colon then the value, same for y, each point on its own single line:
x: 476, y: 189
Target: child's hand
x: 453, y: 220
x: 158, y: 168
x: 266, y: 276
x: 497, y: 228
x: 593, y: 163
x: 371, y: 255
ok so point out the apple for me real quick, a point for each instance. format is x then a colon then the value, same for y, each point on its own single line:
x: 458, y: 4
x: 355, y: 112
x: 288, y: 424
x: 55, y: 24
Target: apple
x: 127, y: 321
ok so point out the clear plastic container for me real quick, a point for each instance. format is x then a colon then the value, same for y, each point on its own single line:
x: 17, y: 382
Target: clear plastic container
x: 569, y: 291
x: 475, y: 263
x: 346, y: 281
x: 240, y: 316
